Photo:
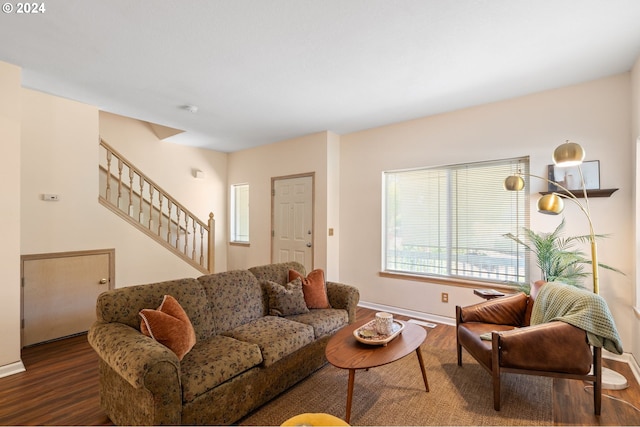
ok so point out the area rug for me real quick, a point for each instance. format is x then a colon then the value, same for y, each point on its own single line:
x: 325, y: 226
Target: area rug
x: 394, y: 394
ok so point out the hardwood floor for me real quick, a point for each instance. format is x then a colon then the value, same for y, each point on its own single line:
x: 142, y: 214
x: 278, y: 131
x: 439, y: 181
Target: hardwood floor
x: 572, y: 403
x: 60, y: 387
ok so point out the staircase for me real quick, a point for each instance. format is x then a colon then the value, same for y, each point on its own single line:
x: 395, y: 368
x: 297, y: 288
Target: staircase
x: 129, y: 193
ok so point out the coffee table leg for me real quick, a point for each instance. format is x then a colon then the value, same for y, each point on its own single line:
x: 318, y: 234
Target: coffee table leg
x: 352, y: 375
x: 424, y: 373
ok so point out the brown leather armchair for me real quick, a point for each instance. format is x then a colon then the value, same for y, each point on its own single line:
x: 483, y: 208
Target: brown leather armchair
x: 554, y: 349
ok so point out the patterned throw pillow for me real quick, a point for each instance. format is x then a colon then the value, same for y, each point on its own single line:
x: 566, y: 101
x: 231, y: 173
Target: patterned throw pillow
x: 285, y: 300
x: 170, y: 326
x: 313, y: 287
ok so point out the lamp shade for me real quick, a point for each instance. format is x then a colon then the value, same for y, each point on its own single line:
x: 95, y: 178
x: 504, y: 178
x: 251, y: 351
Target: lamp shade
x: 550, y: 204
x: 514, y: 183
x: 568, y: 154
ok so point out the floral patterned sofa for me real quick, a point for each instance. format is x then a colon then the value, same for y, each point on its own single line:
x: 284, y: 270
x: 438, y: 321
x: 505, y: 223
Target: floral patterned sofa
x: 242, y: 357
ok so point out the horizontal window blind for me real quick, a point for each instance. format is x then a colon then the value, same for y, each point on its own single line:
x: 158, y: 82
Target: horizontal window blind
x: 451, y: 221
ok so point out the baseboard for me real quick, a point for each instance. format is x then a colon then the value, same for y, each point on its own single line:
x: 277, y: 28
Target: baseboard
x: 633, y: 364
x: 625, y: 358
x: 409, y: 313
x: 12, y: 368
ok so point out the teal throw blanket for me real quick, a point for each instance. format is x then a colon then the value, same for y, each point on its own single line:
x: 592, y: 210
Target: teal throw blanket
x: 580, y: 308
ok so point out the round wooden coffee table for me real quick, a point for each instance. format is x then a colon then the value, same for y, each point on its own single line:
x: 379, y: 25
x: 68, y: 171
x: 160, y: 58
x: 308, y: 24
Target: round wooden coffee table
x: 345, y: 352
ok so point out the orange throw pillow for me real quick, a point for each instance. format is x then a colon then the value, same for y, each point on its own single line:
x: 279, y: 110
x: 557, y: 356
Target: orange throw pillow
x: 170, y: 326
x: 313, y: 288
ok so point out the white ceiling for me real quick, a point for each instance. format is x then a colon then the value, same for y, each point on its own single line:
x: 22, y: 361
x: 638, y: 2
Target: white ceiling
x: 266, y: 70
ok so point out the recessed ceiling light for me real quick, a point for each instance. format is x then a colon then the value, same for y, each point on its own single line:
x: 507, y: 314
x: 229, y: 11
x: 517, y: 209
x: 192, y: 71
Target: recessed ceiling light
x: 190, y: 108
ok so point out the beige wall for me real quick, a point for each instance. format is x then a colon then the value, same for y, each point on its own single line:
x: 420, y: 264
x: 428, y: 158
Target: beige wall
x: 51, y: 144
x: 333, y: 206
x: 635, y: 100
x: 635, y: 136
x: 60, y: 155
x: 10, y: 111
x: 595, y: 114
x: 171, y: 166
x: 312, y: 153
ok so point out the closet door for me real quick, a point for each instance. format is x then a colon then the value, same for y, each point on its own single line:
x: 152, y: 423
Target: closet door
x: 59, y: 293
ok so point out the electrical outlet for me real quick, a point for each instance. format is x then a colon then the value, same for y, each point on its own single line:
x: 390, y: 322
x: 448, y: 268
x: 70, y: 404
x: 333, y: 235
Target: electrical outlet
x: 445, y: 297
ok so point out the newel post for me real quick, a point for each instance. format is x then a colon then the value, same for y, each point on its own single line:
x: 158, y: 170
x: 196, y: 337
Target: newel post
x: 211, y: 244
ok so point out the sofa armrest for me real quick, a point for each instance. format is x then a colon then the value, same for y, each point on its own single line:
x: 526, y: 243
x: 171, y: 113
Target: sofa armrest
x: 507, y: 310
x: 345, y: 297
x: 553, y: 346
x: 135, y: 357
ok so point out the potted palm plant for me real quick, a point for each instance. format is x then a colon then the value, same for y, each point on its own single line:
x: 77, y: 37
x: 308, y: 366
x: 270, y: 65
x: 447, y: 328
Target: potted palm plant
x: 556, y: 256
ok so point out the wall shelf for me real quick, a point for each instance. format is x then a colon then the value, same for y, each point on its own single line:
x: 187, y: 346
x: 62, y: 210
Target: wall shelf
x: 604, y: 192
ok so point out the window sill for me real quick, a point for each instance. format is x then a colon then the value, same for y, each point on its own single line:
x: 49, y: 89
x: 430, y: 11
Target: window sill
x: 462, y: 283
x: 246, y: 244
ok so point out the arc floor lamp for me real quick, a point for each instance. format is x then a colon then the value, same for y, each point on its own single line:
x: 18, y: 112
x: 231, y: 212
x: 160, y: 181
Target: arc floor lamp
x: 567, y: 155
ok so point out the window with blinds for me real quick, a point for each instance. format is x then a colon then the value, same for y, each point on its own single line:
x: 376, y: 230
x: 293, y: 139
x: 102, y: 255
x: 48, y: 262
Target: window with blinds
x: 450, y: 221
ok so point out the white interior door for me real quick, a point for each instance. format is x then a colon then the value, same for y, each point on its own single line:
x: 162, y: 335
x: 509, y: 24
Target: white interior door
x: 292, y: 221
x: 60, y: 293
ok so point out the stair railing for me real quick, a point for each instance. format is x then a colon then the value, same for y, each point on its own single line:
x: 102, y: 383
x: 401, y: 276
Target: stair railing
x: 128, y: 192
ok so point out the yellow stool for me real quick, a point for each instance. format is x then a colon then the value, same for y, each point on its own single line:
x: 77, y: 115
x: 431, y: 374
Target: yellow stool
x: 318, y: 419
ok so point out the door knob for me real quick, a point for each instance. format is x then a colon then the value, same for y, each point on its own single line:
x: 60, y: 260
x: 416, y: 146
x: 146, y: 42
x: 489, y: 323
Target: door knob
x: 103, y: 281
x: 308, y: 245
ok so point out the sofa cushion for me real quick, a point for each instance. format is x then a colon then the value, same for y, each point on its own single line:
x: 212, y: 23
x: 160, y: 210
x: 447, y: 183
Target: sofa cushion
x: 313, y: 287
x: 323, y: 321
x: 276, y: 336
x: 235, y: 297
x: 123, y: 305
x: 285, y: 300
x: 554, y: 346
x: 278, y: 273
x: 214, y: 361
x: 169, y: 325
x: 507, y: 310
x: 469, y: 336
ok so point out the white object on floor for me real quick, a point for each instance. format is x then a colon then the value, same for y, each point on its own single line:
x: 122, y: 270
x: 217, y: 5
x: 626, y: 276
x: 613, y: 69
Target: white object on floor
x: 423, y: 323
x: 612, y: 380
